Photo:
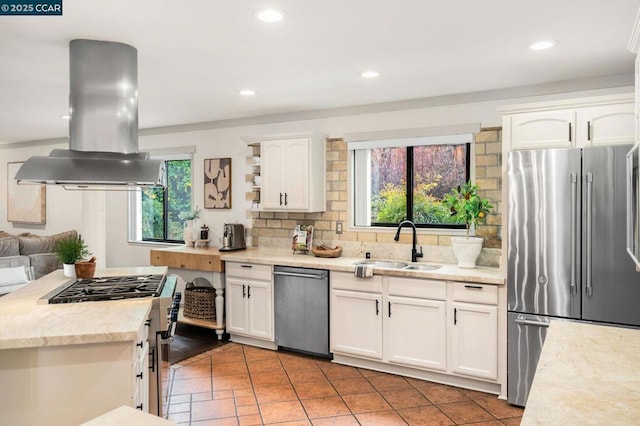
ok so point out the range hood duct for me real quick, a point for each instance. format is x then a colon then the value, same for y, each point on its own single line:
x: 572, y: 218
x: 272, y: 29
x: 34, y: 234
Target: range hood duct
x: 103, y: 125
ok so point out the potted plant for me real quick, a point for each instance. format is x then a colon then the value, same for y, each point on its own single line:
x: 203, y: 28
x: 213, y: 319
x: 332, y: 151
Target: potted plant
x: 469, y: 208
x: 190, y: 226
x: 68, y: 251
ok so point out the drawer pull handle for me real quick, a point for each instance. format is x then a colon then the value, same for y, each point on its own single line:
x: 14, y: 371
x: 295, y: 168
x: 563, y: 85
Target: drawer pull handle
x: 248, y: 292
x: 455, y: 316
x: 139, y: 344
x: 139, y: 407
x: 139, y: 376
x: 246, y: 266
x: 244, y: 292
x: 474, y: 287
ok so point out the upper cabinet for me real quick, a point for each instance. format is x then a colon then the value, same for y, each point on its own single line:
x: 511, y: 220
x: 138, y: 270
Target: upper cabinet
x: 603, y: 120
x: 293, y: 172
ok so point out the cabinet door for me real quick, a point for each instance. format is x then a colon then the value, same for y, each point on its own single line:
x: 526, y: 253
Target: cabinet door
x: 416, y: 332
x: 273, y: 166
x: 296, y: 174
x: 236, y: 306
x: 545, y: 129
x: 356, y: 323
x: 474, y: 340
x: 260, y: 308
x: 606, y: 125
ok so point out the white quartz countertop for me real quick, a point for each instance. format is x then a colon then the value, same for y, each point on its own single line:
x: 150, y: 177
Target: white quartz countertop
x: 587, y: 375
x: 127, y: 416
x: 484, y: 275
x: 27, y: 322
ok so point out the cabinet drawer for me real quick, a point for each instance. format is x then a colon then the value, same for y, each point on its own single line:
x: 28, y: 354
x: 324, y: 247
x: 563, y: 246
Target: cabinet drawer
x: 348, y: 281
x: 475, y: 293
x: 249, y: 271
x: 413, y: 287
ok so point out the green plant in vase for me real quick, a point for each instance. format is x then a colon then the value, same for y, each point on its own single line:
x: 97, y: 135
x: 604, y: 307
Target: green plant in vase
x: 466, y: 205
x: 69, y: 250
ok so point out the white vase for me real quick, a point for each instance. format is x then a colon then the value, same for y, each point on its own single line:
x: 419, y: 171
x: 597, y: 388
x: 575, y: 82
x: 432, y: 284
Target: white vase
x: 189, y: 234
x: 467, y: 250
x: 69, y: 270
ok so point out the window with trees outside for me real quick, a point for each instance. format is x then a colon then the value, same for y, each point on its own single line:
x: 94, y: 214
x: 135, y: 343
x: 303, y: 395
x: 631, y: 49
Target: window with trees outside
x: 406, y: 179
x: 156, y: 211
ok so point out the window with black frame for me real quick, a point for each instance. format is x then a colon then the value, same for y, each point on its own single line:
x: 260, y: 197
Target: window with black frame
x: 400, y: 179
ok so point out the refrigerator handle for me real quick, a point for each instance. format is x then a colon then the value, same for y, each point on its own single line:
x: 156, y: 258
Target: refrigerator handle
x: 523, y: 321
x: 574, y: 207
x: 589, y: 284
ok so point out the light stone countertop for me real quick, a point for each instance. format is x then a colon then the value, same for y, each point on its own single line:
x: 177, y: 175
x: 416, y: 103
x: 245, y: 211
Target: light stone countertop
x: 27, y: 322
x: 483, y: 275
x: 587, y: 375
x: 127, y: 416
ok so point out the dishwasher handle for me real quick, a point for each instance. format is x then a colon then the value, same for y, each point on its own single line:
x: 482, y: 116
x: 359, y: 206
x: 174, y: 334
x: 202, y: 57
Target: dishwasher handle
x: 300, y: 275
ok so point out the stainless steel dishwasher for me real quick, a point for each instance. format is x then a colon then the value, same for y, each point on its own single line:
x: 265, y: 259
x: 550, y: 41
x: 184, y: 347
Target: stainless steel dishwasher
x: 302, y: 309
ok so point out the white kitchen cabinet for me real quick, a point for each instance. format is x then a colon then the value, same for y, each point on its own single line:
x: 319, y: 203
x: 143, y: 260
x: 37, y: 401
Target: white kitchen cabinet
x: 293, y: 172
x: 356, y: 323
x: 594, y: 121
x: 249, y: 301
x: 474, y: 331
x: 545, y: 129
x: 416, y: 332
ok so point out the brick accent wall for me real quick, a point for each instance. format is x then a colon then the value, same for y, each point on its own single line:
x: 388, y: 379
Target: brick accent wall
x: 275, y: 229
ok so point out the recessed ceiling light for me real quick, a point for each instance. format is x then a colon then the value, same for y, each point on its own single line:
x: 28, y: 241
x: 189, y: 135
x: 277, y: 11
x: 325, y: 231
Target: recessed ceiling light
x: 542, y: 44
x: 270, y: 15
x: 247, y: 92
x: 370, y: 74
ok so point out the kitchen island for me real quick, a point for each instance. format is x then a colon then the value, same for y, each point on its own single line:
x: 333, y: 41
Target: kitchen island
x: 587, y: 375
x: 67, y: 363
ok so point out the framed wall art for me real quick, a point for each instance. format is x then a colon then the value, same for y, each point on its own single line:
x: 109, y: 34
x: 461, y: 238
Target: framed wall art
x: 217, y: 183
x: 25, y: 203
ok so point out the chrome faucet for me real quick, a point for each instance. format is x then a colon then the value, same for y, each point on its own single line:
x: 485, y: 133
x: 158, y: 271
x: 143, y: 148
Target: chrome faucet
x: 414, y: 252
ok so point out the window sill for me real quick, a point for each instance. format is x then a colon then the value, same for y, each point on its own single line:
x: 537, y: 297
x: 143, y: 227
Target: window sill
x: 152, y: 243
x: 420, y: 231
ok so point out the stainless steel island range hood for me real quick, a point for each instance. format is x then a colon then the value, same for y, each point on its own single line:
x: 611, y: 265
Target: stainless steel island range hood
x: 103, y: 125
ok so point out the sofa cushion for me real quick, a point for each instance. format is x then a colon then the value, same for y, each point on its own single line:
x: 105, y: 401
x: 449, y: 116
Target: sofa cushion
x: 44, y: 263
x: 5, y: 234
x: 13, y: 261
x: 9, y: 246
x: 33, y: 244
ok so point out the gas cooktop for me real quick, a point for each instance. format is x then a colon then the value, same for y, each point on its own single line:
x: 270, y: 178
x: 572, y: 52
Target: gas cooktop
x: 109, y: 288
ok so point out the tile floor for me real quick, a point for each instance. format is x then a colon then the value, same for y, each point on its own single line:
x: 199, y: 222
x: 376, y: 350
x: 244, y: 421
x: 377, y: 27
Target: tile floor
x: 242, y: 385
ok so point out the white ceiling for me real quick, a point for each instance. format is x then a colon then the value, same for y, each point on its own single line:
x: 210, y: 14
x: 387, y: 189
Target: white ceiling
x: 195, y: 55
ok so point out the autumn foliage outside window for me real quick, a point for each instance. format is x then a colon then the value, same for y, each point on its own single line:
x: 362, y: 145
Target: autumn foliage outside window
x: 410, y: 183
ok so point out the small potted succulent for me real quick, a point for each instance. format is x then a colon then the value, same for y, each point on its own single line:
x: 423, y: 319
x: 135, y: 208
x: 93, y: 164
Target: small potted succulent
x: 69, y: 250
x: 469, y: 208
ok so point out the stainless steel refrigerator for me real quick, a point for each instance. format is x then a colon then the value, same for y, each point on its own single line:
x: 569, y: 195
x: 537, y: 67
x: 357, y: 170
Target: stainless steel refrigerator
x: 566, y: 250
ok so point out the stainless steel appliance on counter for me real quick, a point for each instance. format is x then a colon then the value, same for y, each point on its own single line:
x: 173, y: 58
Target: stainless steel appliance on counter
x: 233, y: 237
x: 567, y: 255
x: 162, y: 318
x: 301, y: 300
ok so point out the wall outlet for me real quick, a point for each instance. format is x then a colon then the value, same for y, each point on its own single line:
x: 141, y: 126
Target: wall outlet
x: 338, y: 227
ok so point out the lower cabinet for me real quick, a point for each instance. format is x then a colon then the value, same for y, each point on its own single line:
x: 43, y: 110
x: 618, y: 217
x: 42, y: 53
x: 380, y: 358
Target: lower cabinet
x: 356, y: 323
x: 474, y: 340
x: 249, y: 300
x: 416, y: 332
x: 445, y: 327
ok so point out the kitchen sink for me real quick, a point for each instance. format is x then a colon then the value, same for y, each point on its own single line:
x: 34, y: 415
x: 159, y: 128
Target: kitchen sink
x: 421, y: 267
x: 388, y: 264
x: 383, y: 264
